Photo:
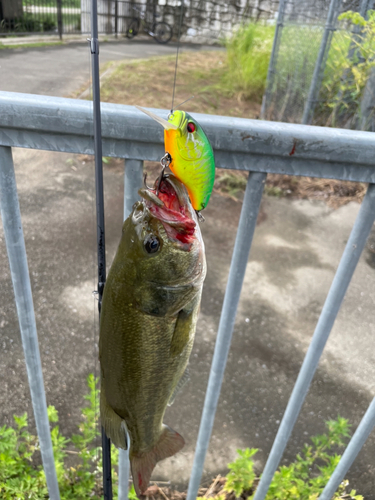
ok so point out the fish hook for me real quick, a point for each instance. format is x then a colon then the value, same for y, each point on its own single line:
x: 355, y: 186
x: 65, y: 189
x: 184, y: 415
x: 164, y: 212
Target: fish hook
x: 145, y: 183
x: 165, y: 161
x: 200, y: 216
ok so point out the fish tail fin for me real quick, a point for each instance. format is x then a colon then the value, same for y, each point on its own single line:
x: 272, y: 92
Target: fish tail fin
x: 114, y: 426
x: 170, y: 442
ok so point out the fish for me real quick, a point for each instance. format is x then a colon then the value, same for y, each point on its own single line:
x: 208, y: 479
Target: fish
x: 148, y: 319
x: 192, y: 157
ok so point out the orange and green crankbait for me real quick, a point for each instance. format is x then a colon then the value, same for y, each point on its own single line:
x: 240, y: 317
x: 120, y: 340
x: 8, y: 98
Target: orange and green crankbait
x: 192, y: 158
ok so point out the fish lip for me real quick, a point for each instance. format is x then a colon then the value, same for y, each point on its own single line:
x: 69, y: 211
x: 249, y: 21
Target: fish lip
x: 183, y: 199
x: 173, y: 209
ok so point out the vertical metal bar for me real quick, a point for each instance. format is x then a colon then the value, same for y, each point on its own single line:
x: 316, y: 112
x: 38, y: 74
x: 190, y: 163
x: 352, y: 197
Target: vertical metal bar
x: 116, y: 18
x: 106, y: 444
x: 340, y: 283
x: 133, y: 180
x: 245, y: 232
x: 15, y: 243
x: 273, y: 58
x: 358, y: 440
x: 317, y: 78
x: 59, y: 18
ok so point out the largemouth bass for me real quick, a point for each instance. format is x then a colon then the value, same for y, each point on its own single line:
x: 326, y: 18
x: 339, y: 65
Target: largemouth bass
x: 147, y: 326
x: 191, y: 155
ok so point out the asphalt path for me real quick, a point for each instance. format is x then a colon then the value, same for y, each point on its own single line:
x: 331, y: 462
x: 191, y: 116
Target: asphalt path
x: 296, y: 250
x: 61, y: 70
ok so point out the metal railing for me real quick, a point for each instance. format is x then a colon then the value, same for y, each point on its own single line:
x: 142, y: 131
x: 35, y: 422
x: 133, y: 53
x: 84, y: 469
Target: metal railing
x: 65, y: 125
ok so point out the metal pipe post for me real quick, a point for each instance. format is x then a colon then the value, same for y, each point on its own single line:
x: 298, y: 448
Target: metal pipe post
x: 343, y: 276
x: 273, y: 58
x: 59, y: 18
x: 132, y: 182
x: 354, y: 447
x: 317, y: 78
x: 106, y: 444
x: 15, y: 243
x: 244, y: 238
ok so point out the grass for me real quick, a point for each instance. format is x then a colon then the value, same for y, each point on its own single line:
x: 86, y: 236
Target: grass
x: 52, y: 3
x: 202, y: 74
x: 248, y: 55
x: 28, y: 45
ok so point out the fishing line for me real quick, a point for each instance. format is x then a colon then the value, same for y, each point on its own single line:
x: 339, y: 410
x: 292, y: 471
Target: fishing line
x: 178, y: 48
x: 183, y: 102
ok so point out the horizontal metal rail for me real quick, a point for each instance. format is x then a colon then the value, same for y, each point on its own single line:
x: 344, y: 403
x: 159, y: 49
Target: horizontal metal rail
x: 59, y: 124
x: 65, y: 125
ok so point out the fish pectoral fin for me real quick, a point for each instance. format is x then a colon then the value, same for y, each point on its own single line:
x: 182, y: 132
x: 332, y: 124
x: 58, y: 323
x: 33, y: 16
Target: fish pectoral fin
x: 183, y: 380
x: 185, y: 326
x: 114, y: 425
x: 142, y: 465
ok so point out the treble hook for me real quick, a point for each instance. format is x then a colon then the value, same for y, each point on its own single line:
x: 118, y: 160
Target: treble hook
x: 145, y: 183
x: 165, y: 161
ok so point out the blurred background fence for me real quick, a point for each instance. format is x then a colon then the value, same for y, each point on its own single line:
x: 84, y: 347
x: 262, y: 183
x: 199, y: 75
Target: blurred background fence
x: 203, y: 19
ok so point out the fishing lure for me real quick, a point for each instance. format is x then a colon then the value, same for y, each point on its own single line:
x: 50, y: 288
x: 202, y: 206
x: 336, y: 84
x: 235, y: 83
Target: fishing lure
x: 191, y: 158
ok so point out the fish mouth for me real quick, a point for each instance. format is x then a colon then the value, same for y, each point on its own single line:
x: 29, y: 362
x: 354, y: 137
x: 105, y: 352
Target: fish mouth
x: 169, y: 202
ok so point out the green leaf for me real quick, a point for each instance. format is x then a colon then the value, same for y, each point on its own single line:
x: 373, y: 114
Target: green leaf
x: 53, y: 416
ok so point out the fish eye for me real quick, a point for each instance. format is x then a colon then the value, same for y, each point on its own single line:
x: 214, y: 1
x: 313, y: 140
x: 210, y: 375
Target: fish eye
x: 191, y: 127
x: 152, y: 244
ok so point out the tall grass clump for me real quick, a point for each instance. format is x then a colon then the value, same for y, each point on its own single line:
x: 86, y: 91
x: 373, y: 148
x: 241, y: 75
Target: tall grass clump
x: 248, y: 55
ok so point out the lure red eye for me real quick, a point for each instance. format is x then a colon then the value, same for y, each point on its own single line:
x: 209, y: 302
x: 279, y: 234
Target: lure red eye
x: 191, y: 127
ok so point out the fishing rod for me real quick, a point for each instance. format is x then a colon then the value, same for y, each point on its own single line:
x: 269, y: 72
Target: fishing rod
x: 94, y: 47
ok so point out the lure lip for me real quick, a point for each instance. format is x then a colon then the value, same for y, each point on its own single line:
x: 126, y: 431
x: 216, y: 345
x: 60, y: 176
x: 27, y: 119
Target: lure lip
x: 166, y: 124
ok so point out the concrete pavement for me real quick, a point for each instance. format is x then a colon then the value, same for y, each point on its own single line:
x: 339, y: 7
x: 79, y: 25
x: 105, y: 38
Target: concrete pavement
x: 63, y: 69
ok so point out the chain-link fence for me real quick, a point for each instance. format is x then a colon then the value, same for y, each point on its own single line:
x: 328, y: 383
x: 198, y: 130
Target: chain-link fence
x: 320, y: 64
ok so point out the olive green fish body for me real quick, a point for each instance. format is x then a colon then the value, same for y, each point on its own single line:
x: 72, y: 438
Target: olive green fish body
x: 147, y: 326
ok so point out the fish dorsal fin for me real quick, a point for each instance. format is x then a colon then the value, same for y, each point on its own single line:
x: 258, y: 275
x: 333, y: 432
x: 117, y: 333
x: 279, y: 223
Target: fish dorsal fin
x: 183, y: 380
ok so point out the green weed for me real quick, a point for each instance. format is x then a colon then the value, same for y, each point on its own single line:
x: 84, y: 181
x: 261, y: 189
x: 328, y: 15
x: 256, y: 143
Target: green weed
x: 248, y: 55
x: 22, y: 477
x: 19, y: 452
x: 303, y: 479
x: 349, y: 64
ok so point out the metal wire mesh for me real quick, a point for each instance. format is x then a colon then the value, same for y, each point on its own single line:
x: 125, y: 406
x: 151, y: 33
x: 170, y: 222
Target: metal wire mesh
x: 301, y: 36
